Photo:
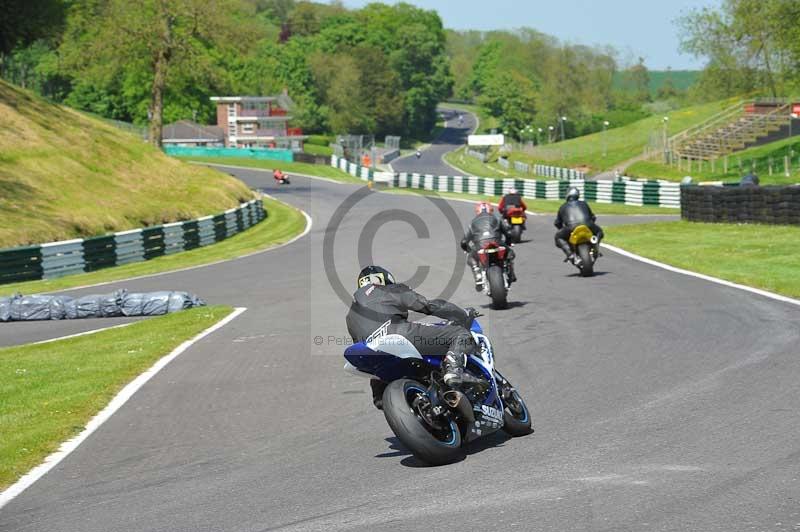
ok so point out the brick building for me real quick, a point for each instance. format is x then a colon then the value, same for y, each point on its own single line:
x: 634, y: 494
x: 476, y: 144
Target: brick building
x: 258, y: 122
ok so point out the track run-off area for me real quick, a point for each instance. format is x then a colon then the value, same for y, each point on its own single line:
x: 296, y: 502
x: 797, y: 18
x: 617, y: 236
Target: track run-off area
x: 660, y: 401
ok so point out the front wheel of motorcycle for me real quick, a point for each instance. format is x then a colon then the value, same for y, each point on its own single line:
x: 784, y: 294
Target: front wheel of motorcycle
x: 436, y: 440
x: 516, y: 417
x: 587, y: 261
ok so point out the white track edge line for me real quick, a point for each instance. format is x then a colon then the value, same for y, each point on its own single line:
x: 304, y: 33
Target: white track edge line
x: 651, y: 262
x: 85, y: 333
x: 101, y: 417
x: 309, y: 223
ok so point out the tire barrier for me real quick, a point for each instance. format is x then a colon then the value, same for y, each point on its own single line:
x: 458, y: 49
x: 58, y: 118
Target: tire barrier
x: 119, y: 303
x: 57, y: 259
x: 779, y: 205
x: 629, y: 192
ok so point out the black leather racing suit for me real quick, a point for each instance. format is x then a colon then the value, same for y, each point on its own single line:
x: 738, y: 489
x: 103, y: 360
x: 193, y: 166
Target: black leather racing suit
x: 571, y: 215
x: 374, y: 305
x: 483, y: 229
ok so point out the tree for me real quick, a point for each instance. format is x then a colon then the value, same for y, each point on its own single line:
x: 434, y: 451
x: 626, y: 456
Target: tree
x: 510, y: 96
x: 749, y: 45
x: 25, y: 21
x: 667, y: 89
x: 637, y: 78
x: 161, y: 40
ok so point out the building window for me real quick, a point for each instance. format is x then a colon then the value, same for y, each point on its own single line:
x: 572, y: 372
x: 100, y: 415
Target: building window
x: 248, y: 129
x: 231, y: 109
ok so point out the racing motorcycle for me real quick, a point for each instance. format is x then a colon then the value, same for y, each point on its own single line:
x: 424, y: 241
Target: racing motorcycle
x: 494, y: 273
x: 515, y: 218
x: 431, y: 420
x: 281, y: 178
x: 584, y: 245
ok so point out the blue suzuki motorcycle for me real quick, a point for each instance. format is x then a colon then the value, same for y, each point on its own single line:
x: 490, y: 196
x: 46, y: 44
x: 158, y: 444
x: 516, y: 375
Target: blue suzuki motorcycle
x: 431, y: 420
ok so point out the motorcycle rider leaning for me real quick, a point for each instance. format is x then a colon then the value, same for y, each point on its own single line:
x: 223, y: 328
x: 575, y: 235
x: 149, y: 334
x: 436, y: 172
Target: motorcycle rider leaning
x: 573, y: 213
x: 379, y: 302
x: 484, y: 229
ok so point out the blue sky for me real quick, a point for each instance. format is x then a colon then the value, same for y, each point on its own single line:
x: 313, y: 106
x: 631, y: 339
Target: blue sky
x: 634, y: 27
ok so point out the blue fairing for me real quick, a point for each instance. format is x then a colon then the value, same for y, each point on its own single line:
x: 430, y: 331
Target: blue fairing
x: 476, y: 327
x: 385, y: 366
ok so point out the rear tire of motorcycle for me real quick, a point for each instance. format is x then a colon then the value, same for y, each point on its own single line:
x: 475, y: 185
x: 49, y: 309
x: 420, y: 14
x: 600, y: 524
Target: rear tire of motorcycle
x: 411, y: 430
x: 587, y: 266
x: 516, y: 234
x: 497, y: 285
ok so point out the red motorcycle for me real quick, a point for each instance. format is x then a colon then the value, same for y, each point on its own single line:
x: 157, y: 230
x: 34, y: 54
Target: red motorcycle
x: 515, y: 217
x: 280, y: 178
x: 494, y: 270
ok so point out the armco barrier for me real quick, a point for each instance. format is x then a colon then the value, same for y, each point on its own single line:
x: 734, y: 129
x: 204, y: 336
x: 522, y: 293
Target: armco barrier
x: 557, y: 172
x: 655, y: 193
x: 56, y: 259
x: 741, y: 204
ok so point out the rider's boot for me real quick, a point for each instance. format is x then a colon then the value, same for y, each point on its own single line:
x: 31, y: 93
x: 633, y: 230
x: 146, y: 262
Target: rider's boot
x: 453, y: 369
x: 512, y: 277
x: 478, y: 276
x: 564, y: 246
x: 378, y: 386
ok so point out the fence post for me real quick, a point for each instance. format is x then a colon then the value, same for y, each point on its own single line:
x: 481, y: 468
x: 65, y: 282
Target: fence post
x: 786, y: 165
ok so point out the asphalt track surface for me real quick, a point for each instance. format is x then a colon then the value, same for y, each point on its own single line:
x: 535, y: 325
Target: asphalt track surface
x: 660, y: 401
x: 452, y: 137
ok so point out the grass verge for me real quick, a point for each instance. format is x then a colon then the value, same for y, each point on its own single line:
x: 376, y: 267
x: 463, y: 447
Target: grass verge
x: 754, y: 255
x: 472, y: 166
x: 313, y: 149
x: 760, y: 159
x: 66, y: 175
x: 48, y: 392
x: 282, y: 224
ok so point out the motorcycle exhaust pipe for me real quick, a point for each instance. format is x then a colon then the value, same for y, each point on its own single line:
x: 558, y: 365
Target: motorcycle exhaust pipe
x: 459, y: 402
x: 594, y: 240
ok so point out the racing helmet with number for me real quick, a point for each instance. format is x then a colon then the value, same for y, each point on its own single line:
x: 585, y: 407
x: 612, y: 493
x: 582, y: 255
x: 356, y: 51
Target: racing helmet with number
x: 375, y: 275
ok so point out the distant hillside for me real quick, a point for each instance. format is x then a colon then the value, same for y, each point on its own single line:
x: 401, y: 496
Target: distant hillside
x: 65, y: 175
x: 681, y: 79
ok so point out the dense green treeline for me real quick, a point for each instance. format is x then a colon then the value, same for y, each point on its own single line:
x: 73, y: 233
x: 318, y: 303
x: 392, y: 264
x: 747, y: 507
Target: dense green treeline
x: 529, y: 80
x: 381, y: 69
x: 751, y: 47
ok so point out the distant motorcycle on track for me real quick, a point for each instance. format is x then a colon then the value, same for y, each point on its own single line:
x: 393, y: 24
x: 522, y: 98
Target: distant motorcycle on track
x: 515, y: 218
x: 281, y: 178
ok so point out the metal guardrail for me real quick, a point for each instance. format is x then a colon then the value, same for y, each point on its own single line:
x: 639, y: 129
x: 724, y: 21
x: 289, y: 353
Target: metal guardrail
x: 57, y: 259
